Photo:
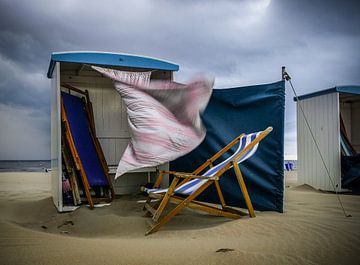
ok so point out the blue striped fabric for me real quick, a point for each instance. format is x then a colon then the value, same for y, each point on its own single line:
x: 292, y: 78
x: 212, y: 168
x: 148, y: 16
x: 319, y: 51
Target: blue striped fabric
x: 191, y: 186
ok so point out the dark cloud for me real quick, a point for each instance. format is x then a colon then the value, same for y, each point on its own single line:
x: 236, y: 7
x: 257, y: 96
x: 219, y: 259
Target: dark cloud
x: 238, y: 42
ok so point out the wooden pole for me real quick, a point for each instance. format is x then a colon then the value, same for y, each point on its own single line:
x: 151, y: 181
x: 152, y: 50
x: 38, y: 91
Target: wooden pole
x: 283, y: 73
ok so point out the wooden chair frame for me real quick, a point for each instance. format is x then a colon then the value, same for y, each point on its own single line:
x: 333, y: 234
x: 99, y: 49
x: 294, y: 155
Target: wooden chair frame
x: 180, y: 178
x: 74, y: 153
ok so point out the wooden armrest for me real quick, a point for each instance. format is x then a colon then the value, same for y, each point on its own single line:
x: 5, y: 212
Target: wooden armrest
x: 167, y: 172
x: 191, y: 176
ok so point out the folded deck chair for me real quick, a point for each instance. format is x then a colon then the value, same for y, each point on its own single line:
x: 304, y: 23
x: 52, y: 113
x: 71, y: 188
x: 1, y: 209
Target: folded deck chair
x: 185, y: 187
x: 86, y: 152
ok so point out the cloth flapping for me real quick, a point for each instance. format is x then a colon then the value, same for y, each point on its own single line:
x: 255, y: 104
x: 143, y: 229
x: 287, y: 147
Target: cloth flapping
x: 163, y: 117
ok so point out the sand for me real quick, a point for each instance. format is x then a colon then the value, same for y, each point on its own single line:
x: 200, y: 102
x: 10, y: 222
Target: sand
x: 312, y: 230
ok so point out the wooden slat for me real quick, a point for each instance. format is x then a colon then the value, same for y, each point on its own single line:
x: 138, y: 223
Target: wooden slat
x: 235, y: 211
x: 210, y: 161
x: 244, y: 151
x: 100, y: 154
x: 150, y: 223
x: 191, y: 176
x: 159, y: 179
x: 73, y: 89
x: 217, y: 155
x: 150, y: 209
x: 207, y: 208
x: 68, y: 163
x: 196, y: 205
x: 165, y: 199
x: 221, y: 196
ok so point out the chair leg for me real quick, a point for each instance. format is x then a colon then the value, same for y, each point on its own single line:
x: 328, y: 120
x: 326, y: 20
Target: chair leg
x: 178, y: 208
x: 156, y: 185
x: 149, y: 213
x: 148, y: 200
x: 244, y: 189
x: 219, y: 192
x: 165, y: 199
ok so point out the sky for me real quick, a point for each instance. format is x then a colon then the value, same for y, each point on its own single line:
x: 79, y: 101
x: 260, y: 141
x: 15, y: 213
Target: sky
x: 239, y: 43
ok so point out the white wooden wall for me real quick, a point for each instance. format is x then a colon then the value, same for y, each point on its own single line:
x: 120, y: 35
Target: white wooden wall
x: 111, y: 124
x: 109, y: 114
x: 322, y: 113
x: 110, y: 121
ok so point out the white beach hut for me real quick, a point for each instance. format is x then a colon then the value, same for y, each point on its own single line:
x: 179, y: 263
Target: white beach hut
x: 323, y: 111
x: 110, y: 116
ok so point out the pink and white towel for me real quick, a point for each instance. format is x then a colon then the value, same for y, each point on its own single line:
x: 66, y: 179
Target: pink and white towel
x: 163, y: 117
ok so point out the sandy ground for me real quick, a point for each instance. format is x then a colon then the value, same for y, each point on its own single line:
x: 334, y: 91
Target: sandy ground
x: 312, y: 230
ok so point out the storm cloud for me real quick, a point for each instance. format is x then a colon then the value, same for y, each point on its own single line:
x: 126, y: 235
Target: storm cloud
x: 237, y: 42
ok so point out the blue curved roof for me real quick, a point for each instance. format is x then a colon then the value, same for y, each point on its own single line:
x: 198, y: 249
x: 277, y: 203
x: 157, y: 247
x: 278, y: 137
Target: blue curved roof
x: 340, y: 89
x: 110, y: 59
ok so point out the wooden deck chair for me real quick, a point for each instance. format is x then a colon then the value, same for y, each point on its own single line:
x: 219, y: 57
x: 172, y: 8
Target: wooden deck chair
x: 79, y: 128
x: 193, y: 184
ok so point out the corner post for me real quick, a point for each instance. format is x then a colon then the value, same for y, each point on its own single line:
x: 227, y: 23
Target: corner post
x: 283, y: 73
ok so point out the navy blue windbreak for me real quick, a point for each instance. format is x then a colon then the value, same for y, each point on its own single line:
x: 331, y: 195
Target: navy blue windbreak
x: 229, y: 113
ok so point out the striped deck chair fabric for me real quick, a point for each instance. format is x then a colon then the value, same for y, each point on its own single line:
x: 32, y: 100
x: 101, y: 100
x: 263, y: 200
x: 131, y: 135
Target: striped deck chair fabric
x: 191, y: 186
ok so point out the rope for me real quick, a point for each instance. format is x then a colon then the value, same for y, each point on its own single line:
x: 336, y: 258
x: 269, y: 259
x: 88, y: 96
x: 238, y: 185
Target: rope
x: 287, y: 77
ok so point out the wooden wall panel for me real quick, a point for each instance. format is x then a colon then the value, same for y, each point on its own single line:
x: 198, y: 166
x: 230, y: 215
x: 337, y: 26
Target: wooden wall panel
x: 111, y: 126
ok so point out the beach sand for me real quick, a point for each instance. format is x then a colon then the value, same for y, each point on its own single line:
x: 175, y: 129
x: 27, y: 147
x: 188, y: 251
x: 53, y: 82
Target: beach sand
x: 312, y: 230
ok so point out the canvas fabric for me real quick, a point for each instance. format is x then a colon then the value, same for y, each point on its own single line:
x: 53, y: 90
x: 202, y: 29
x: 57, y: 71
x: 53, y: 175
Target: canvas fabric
x: 230, y: 112
x: 163, y: 117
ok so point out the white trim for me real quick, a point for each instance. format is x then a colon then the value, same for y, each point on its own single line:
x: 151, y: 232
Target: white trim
x: 58, y: 98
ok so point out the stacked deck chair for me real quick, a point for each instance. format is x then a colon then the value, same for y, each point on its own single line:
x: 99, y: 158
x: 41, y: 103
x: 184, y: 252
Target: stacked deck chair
x: 185, y: 187
x: 83, y: 148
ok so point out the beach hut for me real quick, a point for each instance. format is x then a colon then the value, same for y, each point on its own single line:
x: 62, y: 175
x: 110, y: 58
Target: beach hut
x: 334, y: 118
x: 110, y: 118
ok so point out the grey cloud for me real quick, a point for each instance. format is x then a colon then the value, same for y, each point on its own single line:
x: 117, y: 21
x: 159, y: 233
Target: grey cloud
x: 21, y: 88
x: 23, y: 136
x: 238, y: 42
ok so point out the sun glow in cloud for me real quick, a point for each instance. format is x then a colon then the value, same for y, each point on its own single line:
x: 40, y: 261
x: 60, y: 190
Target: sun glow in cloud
x: 250, y: 13
x: 260, y: 5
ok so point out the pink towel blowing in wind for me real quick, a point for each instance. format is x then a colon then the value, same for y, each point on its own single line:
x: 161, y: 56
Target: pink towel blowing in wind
x: 163, y: 117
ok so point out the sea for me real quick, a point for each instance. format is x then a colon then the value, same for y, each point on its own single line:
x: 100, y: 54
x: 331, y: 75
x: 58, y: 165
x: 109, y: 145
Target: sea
x: 24, y: 165
x: 44, y: 165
